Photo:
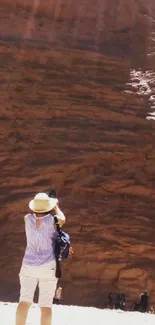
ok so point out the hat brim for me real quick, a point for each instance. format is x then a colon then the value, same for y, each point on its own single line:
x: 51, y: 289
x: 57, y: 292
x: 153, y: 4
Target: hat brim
x: 50, y: 205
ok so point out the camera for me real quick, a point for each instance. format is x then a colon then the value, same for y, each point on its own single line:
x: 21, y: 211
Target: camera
x: 52, y: 193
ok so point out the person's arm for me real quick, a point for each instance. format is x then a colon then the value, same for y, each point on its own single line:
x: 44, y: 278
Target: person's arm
x: 60, y: 215
x: 25, y: 217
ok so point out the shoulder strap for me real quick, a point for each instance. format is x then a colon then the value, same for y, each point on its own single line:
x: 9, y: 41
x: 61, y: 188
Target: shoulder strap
x: 57, y: 225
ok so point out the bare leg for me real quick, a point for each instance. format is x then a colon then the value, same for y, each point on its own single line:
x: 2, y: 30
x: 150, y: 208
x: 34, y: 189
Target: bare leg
x: 46, y: 316
x: 22, y: 311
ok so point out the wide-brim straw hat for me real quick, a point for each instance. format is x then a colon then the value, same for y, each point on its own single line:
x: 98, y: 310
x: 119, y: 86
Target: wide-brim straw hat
x: 42, y: 203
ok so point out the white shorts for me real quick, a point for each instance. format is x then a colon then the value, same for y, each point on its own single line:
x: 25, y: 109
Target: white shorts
x: 44, y: 276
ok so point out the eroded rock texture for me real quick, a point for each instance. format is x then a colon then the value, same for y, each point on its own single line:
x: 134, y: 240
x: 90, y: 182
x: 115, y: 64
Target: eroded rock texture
x: 69, y: 121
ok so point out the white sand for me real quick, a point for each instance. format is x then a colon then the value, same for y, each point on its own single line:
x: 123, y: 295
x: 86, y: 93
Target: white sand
x: 72, y: 315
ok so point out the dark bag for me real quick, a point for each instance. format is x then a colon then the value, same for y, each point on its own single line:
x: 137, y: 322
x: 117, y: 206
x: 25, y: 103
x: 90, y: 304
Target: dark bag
x: 62, y: 247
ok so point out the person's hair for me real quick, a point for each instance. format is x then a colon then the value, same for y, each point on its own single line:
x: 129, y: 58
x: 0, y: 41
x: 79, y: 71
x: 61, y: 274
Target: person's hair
x: 59, y: 289
x: 41, y: 213
x: 50, y: 211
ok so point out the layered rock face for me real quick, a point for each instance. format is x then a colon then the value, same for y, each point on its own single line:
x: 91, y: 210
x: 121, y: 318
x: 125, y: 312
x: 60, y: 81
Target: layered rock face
x: 69, y: 121
x: 116, y: 27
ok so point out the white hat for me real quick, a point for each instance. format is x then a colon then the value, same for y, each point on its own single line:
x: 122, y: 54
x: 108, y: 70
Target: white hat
x: 42, y: 203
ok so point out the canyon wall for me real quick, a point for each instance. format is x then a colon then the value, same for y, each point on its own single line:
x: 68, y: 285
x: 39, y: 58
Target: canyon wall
x: 70, y: 121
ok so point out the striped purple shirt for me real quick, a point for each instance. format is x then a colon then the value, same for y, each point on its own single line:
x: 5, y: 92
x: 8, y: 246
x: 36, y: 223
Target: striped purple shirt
x: 40, y: 241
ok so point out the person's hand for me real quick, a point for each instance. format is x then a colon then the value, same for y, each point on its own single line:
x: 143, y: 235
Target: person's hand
x: 71, y: 252
x: 55, y: 209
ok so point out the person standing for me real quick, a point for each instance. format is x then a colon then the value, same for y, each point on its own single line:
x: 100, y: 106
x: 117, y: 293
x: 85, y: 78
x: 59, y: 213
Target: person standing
x: 144, y: 302
x: 58, y: 296
x: 39, y: 263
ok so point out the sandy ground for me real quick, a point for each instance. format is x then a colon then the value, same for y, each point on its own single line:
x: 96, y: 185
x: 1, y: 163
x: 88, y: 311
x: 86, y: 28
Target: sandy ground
x: 72, y: 315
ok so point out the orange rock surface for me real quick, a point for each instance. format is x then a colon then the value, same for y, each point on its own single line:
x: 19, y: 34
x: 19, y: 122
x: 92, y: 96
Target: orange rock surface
x: 68, y: 122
